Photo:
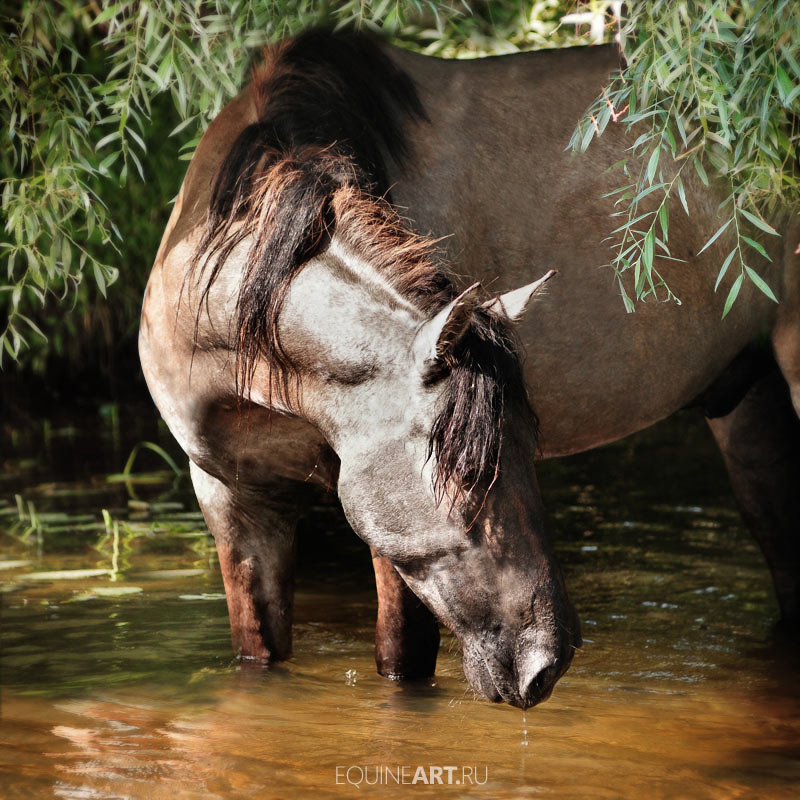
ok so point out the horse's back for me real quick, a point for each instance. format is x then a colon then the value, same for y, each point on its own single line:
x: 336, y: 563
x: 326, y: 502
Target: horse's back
x: 492, y: 172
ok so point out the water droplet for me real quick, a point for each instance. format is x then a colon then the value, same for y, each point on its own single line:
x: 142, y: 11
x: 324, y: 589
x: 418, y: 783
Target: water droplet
x: 524, y: 742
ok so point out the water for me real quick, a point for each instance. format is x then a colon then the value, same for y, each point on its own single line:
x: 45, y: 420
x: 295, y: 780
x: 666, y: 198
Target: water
x: 123, y: 685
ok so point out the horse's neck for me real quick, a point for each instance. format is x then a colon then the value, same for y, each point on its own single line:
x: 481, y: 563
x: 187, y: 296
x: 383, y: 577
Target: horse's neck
x: 342, y: 259
x: 341, y: 309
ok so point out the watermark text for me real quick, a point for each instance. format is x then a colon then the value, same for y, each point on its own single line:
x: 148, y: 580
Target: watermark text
x: 407, y: 775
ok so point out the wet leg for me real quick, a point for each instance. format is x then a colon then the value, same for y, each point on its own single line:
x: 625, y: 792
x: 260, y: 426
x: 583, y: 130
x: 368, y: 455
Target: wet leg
x: 254, y: 530
x: 760, y: 443
x: 407, y: 633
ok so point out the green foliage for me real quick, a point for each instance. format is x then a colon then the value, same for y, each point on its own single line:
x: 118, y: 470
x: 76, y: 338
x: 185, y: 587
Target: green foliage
x: 87, y: 162
x: 99, y: 104
x: 707, y: 84
x: 467, y: 30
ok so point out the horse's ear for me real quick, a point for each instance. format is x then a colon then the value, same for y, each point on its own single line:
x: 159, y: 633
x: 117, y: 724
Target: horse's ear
x: 438, y: 336
x: 514, y: 303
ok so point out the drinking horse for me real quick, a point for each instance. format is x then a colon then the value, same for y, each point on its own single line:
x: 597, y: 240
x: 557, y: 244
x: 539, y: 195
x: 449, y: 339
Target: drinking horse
x: 297, y: 329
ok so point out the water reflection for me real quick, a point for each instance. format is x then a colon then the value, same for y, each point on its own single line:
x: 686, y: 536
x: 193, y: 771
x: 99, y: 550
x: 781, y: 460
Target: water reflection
x: 274, y: 740
x: 127, y: 687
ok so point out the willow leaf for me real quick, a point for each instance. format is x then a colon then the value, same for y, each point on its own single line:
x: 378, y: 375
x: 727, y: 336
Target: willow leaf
x: 760, y: 283
x: 714, y: 238
x: 732, y: 295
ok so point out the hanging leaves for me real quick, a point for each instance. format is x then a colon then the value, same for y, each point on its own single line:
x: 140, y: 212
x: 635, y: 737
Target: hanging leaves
x: 716, y: 84
x: 78, y: 82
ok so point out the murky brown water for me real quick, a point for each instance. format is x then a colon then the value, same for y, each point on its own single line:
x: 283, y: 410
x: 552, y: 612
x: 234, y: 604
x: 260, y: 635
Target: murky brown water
x: 127, y: 688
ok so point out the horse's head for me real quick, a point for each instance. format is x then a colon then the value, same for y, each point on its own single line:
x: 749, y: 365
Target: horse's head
x: 429, y: 416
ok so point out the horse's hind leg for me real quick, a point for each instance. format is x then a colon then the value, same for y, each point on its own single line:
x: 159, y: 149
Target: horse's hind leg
x: 255, y: 538
x: 407, y: 633
x: 786, y: 332
x: 760, y: 443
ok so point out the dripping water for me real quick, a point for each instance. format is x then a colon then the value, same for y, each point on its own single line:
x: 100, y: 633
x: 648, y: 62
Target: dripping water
x: 524, y: 742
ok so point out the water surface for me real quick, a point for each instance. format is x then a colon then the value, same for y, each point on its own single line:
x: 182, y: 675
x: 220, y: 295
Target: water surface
x: 120, y: 683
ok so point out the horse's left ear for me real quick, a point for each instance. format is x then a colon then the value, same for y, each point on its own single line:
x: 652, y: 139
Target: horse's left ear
x: 514, y: 303
x: 438, y: 336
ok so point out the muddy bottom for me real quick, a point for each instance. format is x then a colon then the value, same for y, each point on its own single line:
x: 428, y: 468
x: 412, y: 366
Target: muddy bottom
x: 117, y: 678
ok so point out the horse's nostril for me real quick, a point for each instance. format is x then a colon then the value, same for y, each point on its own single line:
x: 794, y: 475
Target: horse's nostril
x: 537, y: 685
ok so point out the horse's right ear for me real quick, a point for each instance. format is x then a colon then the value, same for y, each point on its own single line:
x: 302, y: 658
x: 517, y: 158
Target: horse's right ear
x: 513, y: 304
x: 438, y: 336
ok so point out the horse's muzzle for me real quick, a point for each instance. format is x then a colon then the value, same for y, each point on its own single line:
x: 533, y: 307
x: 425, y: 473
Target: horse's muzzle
x: 522, y: 673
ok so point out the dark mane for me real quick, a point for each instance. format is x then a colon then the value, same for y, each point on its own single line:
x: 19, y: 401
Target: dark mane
x: 467, y: 436
x: 332, y: 109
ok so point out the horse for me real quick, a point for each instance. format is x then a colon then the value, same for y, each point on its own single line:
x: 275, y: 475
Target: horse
x: 343, y: 297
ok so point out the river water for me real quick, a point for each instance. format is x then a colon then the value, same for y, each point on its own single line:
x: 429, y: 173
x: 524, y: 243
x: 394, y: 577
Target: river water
x: 120, y: 682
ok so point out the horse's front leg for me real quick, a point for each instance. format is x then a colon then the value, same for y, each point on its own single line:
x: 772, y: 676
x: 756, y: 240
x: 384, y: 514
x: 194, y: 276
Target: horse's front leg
x: 255, y: 536
x: 407, y: 633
